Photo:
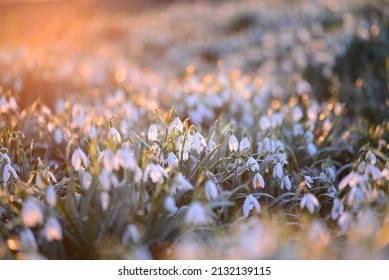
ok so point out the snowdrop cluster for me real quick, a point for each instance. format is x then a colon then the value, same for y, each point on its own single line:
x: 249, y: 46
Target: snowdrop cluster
x: 215, y: 163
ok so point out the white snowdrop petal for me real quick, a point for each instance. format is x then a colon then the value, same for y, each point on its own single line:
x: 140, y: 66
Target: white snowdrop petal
x: 233, y: 143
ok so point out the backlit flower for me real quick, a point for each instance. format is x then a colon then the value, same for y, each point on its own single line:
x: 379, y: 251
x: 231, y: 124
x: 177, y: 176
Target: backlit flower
x: 233, y: 143
x: 176, y: 124
x: 152, y: 134
x: 199, y: 142
x: 32, y: 214
x: 7, y: 172
x: 371, y: 157
x: 258, y: 181
x: 114, y: 135
x: 52, y: 230
x: 79, y: 158
x: 196, y: 215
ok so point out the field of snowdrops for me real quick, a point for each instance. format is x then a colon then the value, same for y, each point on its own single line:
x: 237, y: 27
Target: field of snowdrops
x: 230, y: 129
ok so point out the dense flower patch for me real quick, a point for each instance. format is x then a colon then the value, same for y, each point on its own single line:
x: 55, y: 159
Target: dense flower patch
x: 268, y: 161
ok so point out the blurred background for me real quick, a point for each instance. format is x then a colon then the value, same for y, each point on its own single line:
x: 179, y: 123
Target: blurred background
x: 49, y: 49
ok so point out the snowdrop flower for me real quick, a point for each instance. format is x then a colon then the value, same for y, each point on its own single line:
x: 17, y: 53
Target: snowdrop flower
x: 309, y: 137
x: 8, y: 105
x: 374, y: 171
x: 152, y: 134
x: 7, y: 171
x: 58, y: 136
x: 331, y: 173
x: 86, y: 179
x: 285, y: 182
x: 79, y: 158
x: 49, y: 176
x: 264, y: 123
x: 297, y: 129
x: 308, y: 180
x: 270, y: 146
x: 258, y: 181
x: 211, y: 191
x: 356, y: 197
x: 114, y: 135
x: 196, y: 214
x: 310, y: 202
x: 252, y: 164
x: 352, y: 179
x: 138, y: 175
x: 28, y: 240
x: 155, y: 172
x: 361, y: 166
x: 51, y: 196
x: 13, y: 105
x: 297, y: 113
x: 311, y: 149
x: 302, y: 87
x: 179, y: 142
x: 91, y: 131
x: 371, y: 157
x: 183, y: 147
x: 32, y: 214
x: 78, y: 116
x: 172, y: 160
x: 131, y: 234
x: 155, y: 151
x: 170, y: 205
x: 199, y: 142
x: 233, y: 143
x: 278, y: 171
x: 104, y: 200
x: 180, y: 184
x: 250, y: 203
x: 108, y: 180
x: 176, y: 124
x: 244, y: 144
x: 277, y: 119
x: 126, y: 159
x: 52, y: 230
x: 337, y: 209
